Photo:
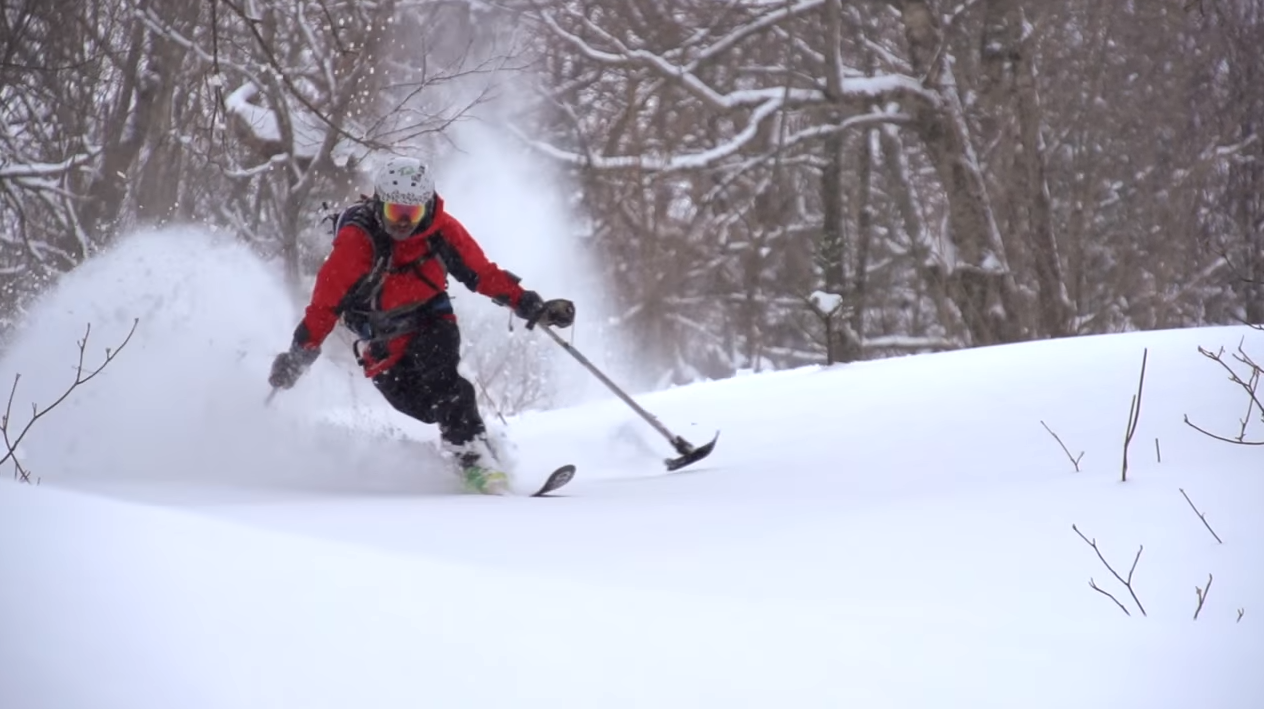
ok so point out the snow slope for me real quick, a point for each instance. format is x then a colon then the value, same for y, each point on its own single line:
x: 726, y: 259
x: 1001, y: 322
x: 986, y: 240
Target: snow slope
x: 883, y: 534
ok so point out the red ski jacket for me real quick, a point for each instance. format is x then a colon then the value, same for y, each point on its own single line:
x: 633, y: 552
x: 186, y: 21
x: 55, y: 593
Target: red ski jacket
x: 417, y: 274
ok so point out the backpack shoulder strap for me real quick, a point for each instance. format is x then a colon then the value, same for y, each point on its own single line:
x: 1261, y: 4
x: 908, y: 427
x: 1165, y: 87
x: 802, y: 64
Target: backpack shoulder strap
x: 367, y: 288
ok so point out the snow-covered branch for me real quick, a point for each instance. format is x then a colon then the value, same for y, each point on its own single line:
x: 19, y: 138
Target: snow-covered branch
x: 692, y: 161
x: 883, y: 86
x: 37, y: 169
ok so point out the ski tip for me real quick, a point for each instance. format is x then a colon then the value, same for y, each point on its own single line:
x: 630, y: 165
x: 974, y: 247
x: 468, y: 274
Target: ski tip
x: 556, y: 479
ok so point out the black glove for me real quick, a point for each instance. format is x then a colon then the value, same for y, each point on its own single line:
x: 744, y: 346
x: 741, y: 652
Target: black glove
x: 558, y: 312
x: 289, y: 366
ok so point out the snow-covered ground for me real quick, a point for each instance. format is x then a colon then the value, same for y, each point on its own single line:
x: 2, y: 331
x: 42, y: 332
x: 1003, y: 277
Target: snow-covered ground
x: 884, y: 534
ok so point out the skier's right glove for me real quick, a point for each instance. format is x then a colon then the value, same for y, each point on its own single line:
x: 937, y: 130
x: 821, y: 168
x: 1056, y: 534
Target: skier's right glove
x: 289, y: 366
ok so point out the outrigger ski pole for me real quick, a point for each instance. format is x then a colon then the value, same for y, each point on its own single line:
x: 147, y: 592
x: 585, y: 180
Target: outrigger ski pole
x: 688, y: 453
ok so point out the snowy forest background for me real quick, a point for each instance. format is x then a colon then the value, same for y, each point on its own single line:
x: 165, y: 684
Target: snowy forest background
x: 763, y: 184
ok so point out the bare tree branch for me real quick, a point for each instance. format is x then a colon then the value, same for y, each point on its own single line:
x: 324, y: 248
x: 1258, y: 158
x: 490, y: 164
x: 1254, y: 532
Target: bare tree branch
x: 487, y: 396
x: 1250, y: 385
x: 1126, y: 582
x: 1205, y: 432
x: 11, y: 443
x: 1201, y: 516
x: 279, y: 71
x: 1202, y: 596
x: 1134, y: 415
x: 1075, y: 460
x: 1093, y: 585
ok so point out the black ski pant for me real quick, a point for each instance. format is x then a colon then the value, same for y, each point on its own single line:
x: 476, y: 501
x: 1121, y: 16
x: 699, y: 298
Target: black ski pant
x: 425, y: 385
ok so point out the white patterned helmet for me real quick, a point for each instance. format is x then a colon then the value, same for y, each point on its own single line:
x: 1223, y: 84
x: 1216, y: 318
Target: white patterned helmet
x: 404, y: 190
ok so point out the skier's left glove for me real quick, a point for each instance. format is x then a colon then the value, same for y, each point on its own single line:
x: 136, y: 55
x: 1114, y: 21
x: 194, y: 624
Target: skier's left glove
x: 289, y: 366
x: 558, y: 312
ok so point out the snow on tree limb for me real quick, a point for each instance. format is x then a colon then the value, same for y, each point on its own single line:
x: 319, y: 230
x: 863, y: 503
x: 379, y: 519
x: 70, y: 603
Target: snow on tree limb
x: 39, y: 169
x: 778, y: 14
x: 708, y: 158
x: 264, y: 125
x: 690, y: 161
x: 679, y: 66
x: 881, y: 86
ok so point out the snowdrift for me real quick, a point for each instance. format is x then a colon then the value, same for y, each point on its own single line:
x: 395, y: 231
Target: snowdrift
x: 882, y: 534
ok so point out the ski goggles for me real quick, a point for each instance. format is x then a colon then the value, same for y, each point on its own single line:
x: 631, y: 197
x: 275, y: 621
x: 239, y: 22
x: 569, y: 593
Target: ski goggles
x: 402, y: 214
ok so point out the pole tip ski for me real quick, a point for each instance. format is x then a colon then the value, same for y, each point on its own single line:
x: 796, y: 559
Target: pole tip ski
x: 688, y: 453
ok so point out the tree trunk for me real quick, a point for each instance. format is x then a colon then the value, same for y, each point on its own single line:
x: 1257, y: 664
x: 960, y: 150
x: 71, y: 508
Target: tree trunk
x: 1009, y: 78
x: 831, y: 248
x: 926, y: 259
x: 979, y: 280
x: 104, y: 196
x: 158, y: 186
x: 864, y: 240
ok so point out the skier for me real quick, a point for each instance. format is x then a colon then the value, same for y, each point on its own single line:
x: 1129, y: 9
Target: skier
x: 386, y: 280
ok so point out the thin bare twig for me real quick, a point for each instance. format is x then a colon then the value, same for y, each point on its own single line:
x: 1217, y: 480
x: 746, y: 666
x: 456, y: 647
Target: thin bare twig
x: 1075, y: 460
x: 11, y: 443
x: 1241, y: 612
x: 488, y: 396
x: 1158, y: 454
x: 1250, y: 385
x: 1202, y: 596
x: 1093, y: 585
x: 1205, y: 432
x: 19, y: 472
x: 1134, y: 415
x: 1250, y: 404
x: 1126, y: 582
x: 1201, y: 516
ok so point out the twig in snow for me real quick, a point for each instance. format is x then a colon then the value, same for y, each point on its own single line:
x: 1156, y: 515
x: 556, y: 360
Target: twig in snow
x: 1075, y: 460
x: 1250, y: 404
x: 1126, y: 582
x: 11, y: 443
x: 1205, y: 432
x: 1241, y: 612
x: 488, y: 396
x: 1202, y: 596
x: 1201, y: 516
x: 1250, y: 385
x: 1158, y: 454
x: 1134, y: 415
x: 1093, y: 585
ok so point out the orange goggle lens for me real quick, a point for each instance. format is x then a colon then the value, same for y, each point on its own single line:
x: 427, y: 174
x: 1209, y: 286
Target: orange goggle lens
x: 403, y: 213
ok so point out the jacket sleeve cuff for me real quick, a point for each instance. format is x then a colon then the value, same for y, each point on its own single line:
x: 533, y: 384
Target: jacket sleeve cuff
x: 303, y: 349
